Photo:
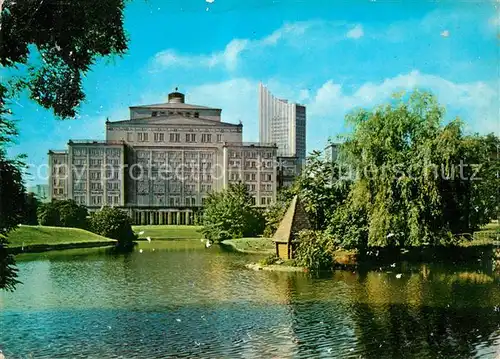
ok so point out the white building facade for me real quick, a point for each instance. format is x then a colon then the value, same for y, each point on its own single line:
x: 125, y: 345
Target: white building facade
x: 282, y: 123
x: 162, y: 163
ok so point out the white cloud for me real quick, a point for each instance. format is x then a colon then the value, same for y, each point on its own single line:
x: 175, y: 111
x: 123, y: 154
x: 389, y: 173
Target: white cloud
x: 475, y: 102
x: 356, y: 32
x: 228, y: 57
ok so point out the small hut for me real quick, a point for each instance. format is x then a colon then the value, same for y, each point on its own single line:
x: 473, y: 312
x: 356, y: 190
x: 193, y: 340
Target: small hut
x: 293, y: 222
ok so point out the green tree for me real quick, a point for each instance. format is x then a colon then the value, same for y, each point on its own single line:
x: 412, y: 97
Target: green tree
x: 115, y: 224
x: 230, y: 214
x: 407, y: 183
x: 321, y: 189
x: 54, y: 43
x: 46, y: 47
x: 48, y: 215
x: 11, y: 206
x: 72, y: 214
x: 63, y: 213
x: 31, y: 204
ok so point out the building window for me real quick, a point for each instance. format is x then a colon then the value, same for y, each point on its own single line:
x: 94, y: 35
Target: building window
x: 253, y: 176
x: 130, y: 137
x: 252, y: 200
x: 175, y: 137
x: 142, y: 137
x: 190, y: 137
x: 206, y: 138
x: 159, y: 137
x: 262, y: 201
x: 196, y: 114
x: 219, y: 138
x: 154, y: 113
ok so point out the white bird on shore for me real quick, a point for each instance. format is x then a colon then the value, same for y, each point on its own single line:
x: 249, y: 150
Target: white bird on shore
x: 141, y: 233
x: 208, y: 244
x: 399, y: 275
x: 393, y: 265
x: 149, y: 239
x: 140, y: 250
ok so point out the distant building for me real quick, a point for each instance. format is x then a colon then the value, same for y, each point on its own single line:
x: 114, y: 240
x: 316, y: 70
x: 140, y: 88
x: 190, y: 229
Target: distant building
x: 283, y: 123
x: 332, y: 150
x: 162, y: 163
x: 41, y: 191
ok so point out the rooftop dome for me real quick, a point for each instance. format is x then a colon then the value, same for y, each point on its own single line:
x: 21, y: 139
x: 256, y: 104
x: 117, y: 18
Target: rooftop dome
x: 175, y: 97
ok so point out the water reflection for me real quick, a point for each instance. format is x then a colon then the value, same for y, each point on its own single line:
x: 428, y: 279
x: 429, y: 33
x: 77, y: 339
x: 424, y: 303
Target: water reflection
x: 181, y: 300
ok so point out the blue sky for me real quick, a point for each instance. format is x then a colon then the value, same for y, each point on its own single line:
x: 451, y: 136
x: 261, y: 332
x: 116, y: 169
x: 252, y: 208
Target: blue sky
x: 332, y: 56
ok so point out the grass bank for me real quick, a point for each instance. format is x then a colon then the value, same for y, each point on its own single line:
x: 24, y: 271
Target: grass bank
x: 251, y: 245
x: 168, y: 232
x: 42, y: 238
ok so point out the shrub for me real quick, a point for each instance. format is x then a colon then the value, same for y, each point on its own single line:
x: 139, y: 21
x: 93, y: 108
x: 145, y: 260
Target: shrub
x: 115, y: 224
x: 271, y: 259
x: 314, y: 250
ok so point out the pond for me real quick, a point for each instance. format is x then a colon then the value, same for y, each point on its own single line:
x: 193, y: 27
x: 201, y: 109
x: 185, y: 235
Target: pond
x: 180, y: 300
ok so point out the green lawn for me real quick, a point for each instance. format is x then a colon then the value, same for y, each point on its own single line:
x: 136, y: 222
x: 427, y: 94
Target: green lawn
x: 252, y: 245
x: 25, y: 236
x: 168, y: 232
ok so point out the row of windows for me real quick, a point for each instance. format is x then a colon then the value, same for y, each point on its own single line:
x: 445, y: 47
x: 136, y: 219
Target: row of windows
x: 252, y: 154
x: 98, y: 200
x: 170, y: 113
x: 174, y: 155
x: 252, y: 164
x: 97, y: 152
x: 173, y: 137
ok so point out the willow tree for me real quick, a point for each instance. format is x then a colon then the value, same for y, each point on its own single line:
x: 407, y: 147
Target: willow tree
x: 46, y: 47
x: 412, y: 173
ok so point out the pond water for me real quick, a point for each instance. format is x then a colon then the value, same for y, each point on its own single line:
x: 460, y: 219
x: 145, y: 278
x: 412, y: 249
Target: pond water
x: 181, y: 300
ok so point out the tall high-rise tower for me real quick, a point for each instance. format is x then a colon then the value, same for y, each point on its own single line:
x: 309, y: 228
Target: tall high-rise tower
x: 282, y: 123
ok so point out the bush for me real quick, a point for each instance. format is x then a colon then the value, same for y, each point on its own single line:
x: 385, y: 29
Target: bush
x: 271, y: 259
x: 230, y: 214
x: 115, y: 224
x: 349, y: 227
x: 65, y: 213
x: 314, y: 250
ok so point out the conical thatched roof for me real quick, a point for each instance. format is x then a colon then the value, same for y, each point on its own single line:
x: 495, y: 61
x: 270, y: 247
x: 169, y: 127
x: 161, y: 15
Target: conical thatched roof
x: 294, y: 220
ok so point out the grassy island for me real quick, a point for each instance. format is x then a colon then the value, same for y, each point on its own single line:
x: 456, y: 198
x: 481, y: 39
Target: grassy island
x: 251, y: 245
x: 44, y: 238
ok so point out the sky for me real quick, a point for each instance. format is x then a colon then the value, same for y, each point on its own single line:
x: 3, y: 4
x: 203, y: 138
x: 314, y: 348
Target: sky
x: 332, y: 56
